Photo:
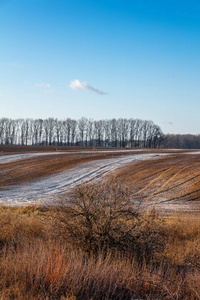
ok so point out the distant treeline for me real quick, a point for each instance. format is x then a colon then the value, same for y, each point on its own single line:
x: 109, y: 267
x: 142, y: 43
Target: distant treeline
x: 83, y: 132
x: 181, y: 141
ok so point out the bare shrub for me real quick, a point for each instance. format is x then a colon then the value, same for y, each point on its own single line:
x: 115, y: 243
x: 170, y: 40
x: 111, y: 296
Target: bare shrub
x: 98, y: 217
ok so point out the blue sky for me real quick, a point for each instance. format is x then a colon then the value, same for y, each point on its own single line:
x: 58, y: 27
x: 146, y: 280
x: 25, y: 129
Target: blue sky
x: 102, y: 59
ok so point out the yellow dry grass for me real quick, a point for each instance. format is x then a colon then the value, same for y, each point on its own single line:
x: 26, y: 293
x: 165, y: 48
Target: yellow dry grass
x: 38, y: 261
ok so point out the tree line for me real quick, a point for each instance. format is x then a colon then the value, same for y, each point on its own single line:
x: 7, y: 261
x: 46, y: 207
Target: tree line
x: 83, y: 132
x: 181, y: 141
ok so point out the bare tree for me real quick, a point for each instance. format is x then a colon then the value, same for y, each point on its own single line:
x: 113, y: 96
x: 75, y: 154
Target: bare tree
x: 82, y: 127
x: 114, y: 134
x: 58, y: 131
x: 49, y: 126
x: 90, y: 129
x: 107, y: 132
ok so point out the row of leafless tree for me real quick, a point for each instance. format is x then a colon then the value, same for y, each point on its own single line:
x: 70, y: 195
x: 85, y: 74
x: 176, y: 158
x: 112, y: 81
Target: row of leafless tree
x: 83, y: 132
x: 181, y: 141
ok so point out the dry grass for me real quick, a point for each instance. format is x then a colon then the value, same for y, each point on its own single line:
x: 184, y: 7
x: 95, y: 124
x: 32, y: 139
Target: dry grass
x: 169, y: 178
x: 41, y: 259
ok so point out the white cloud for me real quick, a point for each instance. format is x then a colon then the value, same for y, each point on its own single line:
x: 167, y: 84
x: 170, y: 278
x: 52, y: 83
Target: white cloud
x: 43, y: 85
x: 77, y: 84
x: 168, y: 122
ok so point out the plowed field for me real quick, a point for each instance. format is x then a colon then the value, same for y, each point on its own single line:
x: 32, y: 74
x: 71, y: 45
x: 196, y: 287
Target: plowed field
x: 164, y: 178
x: 169, y: 179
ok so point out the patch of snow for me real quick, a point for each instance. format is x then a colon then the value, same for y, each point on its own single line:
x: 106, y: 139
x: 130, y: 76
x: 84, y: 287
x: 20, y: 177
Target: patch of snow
x: 14, y: 157
x: 49, y: 188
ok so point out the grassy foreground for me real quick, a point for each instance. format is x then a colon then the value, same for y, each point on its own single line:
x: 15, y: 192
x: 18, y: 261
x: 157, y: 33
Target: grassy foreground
x: 95, y: 245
